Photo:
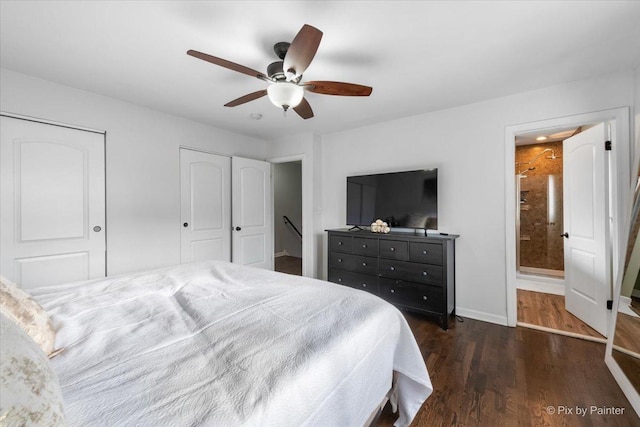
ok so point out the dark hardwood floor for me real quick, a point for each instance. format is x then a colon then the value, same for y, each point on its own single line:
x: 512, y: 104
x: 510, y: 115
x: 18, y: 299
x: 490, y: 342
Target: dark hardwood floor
x: 490, y: 375
x: 548, y: 311
x: 288, y: 264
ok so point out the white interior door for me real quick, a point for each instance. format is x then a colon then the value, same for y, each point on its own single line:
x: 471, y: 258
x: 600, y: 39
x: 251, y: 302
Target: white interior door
x: 252, y: 242
x: 52, y: 195
x: 586, y: 249
x: 205, y: 200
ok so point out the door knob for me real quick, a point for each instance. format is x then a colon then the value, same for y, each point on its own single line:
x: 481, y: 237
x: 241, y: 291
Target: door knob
x: 565, y: 235
x: 186, y: 224
x: 97, y: 228
x: 238, y: 228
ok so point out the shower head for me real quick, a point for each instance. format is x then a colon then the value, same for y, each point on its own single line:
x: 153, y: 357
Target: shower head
x: 552, y: 156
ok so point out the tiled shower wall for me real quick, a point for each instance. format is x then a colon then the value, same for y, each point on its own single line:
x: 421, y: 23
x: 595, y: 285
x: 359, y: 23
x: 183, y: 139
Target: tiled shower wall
x: 541, y: 208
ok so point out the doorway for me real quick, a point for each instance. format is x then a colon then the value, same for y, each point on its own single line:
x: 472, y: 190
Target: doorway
x: 539, y: 233
x: 541, y: 278
x: 581, y: 243
x: 287, y: 208
x: 539, y: 221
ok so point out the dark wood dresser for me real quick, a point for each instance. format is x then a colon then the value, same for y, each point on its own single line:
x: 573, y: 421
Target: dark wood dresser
x: 411, y: 271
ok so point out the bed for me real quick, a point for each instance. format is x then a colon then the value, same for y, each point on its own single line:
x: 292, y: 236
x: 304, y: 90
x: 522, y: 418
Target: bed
x: 218, y: 344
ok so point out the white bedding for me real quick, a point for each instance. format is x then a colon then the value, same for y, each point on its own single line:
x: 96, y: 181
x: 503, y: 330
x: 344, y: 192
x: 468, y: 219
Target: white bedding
x: 217, y: 344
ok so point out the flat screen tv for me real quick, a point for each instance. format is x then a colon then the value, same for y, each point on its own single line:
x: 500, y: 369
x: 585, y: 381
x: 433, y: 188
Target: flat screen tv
x: 402, y: 199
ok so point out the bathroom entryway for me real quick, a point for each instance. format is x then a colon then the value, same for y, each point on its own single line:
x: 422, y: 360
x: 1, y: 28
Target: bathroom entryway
x: 594, y: 167
x: 561, y: 219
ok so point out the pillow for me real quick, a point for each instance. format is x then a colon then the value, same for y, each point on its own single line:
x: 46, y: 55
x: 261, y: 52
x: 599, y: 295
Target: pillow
x: 29, y: 390
x: 18, y: 306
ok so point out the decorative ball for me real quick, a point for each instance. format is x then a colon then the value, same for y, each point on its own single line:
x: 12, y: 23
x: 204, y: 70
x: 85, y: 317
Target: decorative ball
x: 379, y: 226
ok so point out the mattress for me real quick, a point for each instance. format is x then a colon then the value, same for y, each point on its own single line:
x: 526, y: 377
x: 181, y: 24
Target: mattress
x: 218, y: 344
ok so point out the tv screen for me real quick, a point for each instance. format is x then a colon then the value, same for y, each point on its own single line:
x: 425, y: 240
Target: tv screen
x: 402, y: 199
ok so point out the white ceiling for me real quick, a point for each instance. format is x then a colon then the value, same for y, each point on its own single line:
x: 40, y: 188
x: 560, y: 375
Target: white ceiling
x: 419, y: 56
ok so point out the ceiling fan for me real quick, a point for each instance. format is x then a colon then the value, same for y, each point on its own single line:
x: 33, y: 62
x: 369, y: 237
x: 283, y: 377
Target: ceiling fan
x: 285, y: 89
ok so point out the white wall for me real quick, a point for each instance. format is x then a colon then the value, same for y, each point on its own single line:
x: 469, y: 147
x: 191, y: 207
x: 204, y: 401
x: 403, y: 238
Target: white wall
x: 466, y: 144
x: 143, y: 191
x: 287, y: 200
x: 636, y: 110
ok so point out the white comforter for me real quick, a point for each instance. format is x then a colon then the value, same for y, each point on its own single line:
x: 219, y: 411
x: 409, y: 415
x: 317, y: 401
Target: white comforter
x: 216, y: 344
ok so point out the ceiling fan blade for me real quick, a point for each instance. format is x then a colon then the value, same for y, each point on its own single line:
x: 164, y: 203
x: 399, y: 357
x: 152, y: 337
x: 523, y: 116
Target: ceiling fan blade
x: 337, y: 88
x: 301, y: 51
x: 228, y: 64
x: 244, y: 99
x: 304, y: 109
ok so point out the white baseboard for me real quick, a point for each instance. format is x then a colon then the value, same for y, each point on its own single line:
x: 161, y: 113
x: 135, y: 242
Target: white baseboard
x: 479, y: 315
x: 624, y: 306
x: 545, y: 285
x: 283, y: 253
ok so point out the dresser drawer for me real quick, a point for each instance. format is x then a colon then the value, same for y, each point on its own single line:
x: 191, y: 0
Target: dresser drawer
x: 340, y: 244
x: 394, y: 249
x: 429, y: 253
x: 356, y: 263
x: 412, y: 295
x: 365, y: 246
x: 411, y: 272
x: 364, y: 282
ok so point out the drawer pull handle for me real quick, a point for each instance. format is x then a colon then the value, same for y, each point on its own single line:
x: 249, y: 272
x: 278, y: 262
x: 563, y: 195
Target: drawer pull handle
x: 392, y: 291
x: 339, y: 243
x: 424, y: 252
x: 340, y: 280
x: 392, y: 268
x: 392, y: 249
x: 339, y: 259
x: 424, y: 273
x: 364, y: 246
x: 364, y: 285
x: 364, y: 264
x: 424, y: 297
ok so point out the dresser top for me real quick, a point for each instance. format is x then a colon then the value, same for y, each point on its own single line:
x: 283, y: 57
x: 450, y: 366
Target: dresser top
x: 394, y: 234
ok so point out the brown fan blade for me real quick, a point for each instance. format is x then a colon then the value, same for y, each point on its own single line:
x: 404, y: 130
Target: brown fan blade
x: 301, y: 51
x: 338, y: 88
x: 304, y: 109
x: 246, y: 98
x: 228, y: 64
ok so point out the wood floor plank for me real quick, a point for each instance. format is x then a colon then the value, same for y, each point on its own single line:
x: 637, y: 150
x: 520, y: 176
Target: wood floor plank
x: 627, y: 332
x: 547, y: 310
x: 490, y: 375
x: 630, y: 365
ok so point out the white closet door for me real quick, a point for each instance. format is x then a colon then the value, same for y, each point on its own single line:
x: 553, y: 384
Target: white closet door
x: 205, y: 182
x: 252, y: 212
x: 52, y: 195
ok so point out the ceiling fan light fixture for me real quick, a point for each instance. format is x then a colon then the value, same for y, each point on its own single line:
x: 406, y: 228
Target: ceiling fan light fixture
x: 290, y: 75
x: 285, y: 95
